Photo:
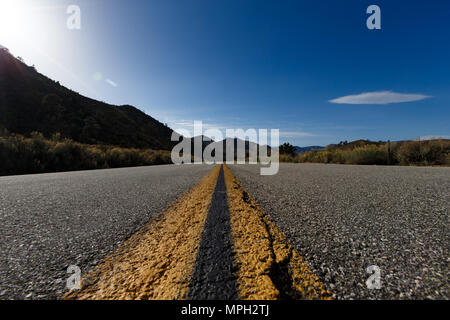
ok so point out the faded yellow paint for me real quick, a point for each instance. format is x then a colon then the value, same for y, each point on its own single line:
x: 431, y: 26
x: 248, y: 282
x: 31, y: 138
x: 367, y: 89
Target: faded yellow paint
x: 266, y: 261
x: 156, y: 262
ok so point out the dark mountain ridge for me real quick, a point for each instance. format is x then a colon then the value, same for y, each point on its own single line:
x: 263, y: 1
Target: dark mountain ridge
x: 29, y: 101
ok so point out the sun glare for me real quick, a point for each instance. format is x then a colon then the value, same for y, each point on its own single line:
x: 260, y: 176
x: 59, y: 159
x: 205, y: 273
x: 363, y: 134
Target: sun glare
x: 21, y: 26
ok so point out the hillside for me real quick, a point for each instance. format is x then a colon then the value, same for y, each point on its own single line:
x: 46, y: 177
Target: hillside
x: 344, y: 145
x: 29, y: 102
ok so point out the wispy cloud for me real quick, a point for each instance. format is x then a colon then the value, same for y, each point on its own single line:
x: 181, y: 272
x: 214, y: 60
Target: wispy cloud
x: 296, y: 134
x: 436, y: 136
x: 379, y: 97
x: 110, y: 82
x: 188, y: 125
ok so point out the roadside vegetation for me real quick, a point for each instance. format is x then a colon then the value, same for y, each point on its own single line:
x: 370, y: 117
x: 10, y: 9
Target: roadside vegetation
x: 435, y: 152
x: 34, y: 153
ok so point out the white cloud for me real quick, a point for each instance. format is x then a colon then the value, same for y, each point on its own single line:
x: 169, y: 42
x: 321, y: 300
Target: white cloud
x: 379, y: 97
x: 112, y: 83
x: 436, y: 136
x: 296, y: 134
x: 188, y: 125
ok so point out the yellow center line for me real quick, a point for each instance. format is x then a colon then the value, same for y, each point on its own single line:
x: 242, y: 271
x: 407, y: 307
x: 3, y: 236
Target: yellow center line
x: 156, y: 262
x: 268, y: 266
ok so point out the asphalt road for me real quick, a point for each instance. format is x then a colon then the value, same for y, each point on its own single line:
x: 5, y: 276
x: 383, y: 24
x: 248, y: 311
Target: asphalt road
x: 213, y: 277
x: 342, y: 219
x: 51, y: 221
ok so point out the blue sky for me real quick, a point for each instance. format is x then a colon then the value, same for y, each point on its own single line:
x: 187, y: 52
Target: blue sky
x: 251, y: 64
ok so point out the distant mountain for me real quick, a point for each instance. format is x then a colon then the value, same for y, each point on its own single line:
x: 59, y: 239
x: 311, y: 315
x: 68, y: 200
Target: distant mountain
x: 300, y: 150
x: 29, y: 101
x: 232, y: 141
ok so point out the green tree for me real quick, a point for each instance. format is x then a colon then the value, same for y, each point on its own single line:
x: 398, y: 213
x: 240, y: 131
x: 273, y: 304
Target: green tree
x: 287, y: 148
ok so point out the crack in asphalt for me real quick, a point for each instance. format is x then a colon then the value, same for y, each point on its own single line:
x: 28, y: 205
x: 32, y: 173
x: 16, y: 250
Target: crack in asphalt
x: 279, y: 271
x: 268, y: 265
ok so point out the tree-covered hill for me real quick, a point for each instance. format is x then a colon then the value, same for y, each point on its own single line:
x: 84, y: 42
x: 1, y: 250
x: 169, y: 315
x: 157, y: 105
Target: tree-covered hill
x: 29, y: 101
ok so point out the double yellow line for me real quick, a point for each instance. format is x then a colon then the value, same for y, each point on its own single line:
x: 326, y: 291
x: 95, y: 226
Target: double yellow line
x: 158, y: 261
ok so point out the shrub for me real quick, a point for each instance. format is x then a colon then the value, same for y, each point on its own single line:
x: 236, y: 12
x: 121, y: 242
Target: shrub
x: 36, y: 154
x: 428, y: 152
x: 409, y: 153
x: 370, y: 154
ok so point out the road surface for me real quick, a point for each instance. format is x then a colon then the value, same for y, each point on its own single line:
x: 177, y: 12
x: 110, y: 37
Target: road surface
x: 202, y: 232
x: 344, y: 218
x: 51, y: 221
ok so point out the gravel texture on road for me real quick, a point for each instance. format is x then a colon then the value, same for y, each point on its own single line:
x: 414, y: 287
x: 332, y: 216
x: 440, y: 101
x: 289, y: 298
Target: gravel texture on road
x: 343, y: 218
x: 267, y: 266
x: 51, y: 221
